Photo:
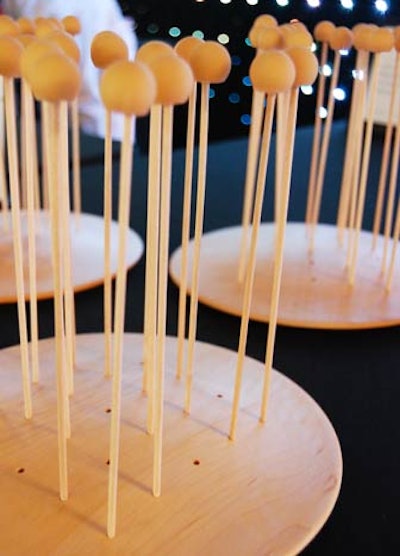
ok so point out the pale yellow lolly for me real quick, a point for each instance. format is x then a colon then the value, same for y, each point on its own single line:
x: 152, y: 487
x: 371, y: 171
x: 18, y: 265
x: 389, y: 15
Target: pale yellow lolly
x: 174, y: 79
x: 306, y: 65
x: 55, y: 78
x: 341, y: 39
x: 71, y: 24
x: 211, y: 62
x: 265, y: 20
x: 44, y: 26
x: 67, y: 44
x: 382, y: 40
x: 26, y: 25
x: 33, y: 51
x: 128, y: 87
x: 272, y: 72
x: 323, y: 31
x: 184, y: 47
x: 25, y: 39
x: 151, y: 50
x: 10, y: 56
x: 106, y: 48
x: 269, y: 37
x: 8, y: 26
x: 293, y: 35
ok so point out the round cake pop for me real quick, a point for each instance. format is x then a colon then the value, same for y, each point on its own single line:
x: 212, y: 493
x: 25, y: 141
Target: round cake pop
x: 10, y: 56
x: 8, y: 26
x: 67, y: 44
x: 152, y: 50
x: 55, y: 77
x: 341, y: 39
x: 25, y: 39
x: 108, y: 47
x: 34, y: 51
x: 268, y: 38
x: 174, y: 79
x: 128, y: 87
x: 272, y: 72
x: 210, y: 62
x: 323, y: 31
x: 45, y: 26
x: 71, y: 24
x: 26, y: 25
x: 265, y: 20
x: 396, y: 35
x: 362, y: 34
x: 382, y: 40
x: 184, y: 47
x: 293, y: 36
x: 306, y: 65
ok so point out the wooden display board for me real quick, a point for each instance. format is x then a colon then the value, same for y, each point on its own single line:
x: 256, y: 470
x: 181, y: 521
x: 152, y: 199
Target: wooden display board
x: 269, y: 492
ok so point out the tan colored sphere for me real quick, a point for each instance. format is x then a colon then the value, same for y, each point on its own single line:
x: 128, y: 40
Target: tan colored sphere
x: 151, y: 50
x: 67, y: 44
x: 265, y: 20
x: 10, y: 56
x: 382, y: 40
x: 34, y: 51
x: 272, y: 72
x: 362, y: 34
x: 341, y: 39
x: 71, y: 24
x: 184, y: 47
x: 211, y: 62
x: 269, y: 38
x: 306, y: 65
x: 25, y: 39
x: 106, y: 48
x: 323, y: 31
x: 293, y: 36
x: 26, y: 25
x: 56, y: 78
x: 396, y: 33
x: 45, y: 26
x: 174, y: 78
x: 8, y: 26
x: 128, y: 87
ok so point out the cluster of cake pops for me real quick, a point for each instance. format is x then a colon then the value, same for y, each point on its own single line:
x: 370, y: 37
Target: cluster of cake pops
x: 161, y: 77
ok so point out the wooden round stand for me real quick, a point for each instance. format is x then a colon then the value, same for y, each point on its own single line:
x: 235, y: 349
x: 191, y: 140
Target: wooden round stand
x: 269, y: 492
x: 315, y: 291
x: 87, y: 252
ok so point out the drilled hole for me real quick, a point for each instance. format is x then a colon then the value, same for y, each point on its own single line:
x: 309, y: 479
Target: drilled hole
x: 220, y: 395
x: 108, y: 410
x: 21, y: 470
x: 108, y: 462
x: 196, y: 462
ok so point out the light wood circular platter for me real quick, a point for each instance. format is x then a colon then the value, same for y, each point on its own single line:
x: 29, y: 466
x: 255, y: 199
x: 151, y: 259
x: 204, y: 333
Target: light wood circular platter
x: 87, y: 253
x: 315, y: 292
x: 269, y: 492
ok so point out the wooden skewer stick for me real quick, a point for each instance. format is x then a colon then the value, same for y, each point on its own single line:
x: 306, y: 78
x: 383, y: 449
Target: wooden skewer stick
x: 349, y: 157
x: 187, y: 199
x: 279, y: 245
x: 4, y: 190
x: 364, y: 167
x: 76, y: 166
x: 200, y: 198
x: 316, y: 146
x: 396, y: 236
x: 107, y: 214
x: 9, y: 98
x: 162, y: 291
x: 29, y: 132
x: 152, y: 248
x: 62, y: 394
x: 119, y: 316
x: 282, y: 101
x: 391, y: 194
x: 259, y: 196
x: 385, y: 154
x: 65, y: 241
x: 315, y: 210
x: 257, y: 109
x: 45, y: 185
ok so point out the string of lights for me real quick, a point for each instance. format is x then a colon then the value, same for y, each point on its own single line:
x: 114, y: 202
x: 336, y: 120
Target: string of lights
x: 229, y: 22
